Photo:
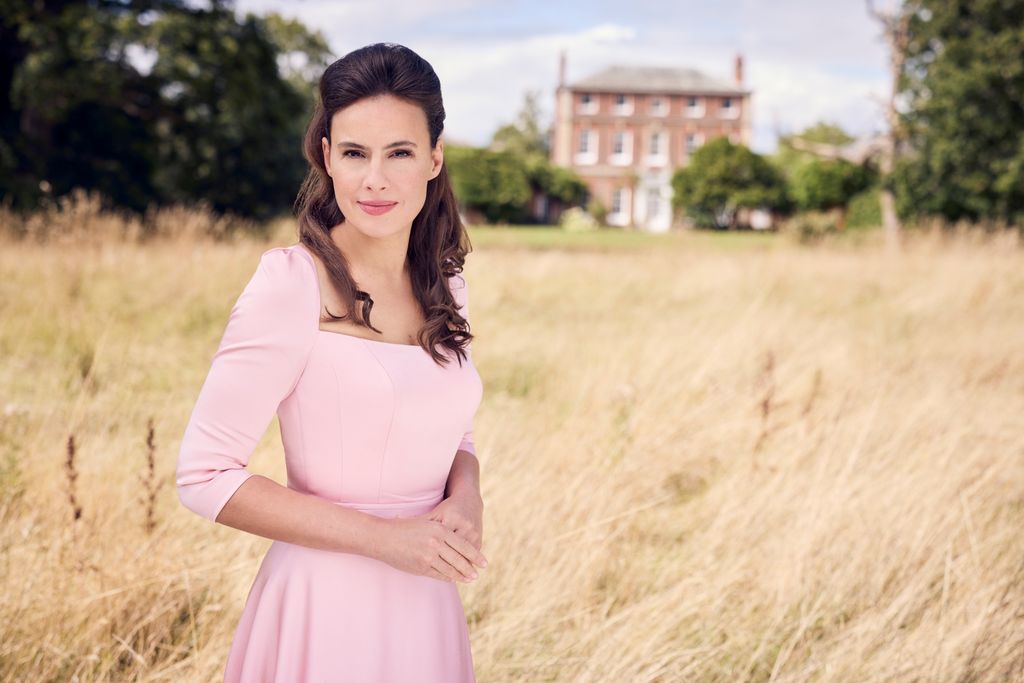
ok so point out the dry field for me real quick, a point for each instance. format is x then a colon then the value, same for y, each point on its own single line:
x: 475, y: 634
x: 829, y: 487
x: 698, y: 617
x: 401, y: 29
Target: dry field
x: 704, y: 458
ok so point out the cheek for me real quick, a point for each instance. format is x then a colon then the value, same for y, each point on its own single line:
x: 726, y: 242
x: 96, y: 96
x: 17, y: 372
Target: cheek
x: 344, y: 183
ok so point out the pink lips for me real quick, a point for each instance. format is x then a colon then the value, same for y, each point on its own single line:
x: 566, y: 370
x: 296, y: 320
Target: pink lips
x: 376, y: 208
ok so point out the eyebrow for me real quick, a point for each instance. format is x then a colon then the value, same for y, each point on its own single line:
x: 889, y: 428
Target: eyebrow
x: 356, y: 145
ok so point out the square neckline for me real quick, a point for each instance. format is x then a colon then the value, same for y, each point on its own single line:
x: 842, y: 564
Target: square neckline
x: 320, y: 306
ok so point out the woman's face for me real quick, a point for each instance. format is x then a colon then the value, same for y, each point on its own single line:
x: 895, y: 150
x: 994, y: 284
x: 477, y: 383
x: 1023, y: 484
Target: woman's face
x: 379, y: 152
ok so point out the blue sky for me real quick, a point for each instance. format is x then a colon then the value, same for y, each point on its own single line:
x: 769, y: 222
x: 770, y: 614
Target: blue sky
x: 805, y: 61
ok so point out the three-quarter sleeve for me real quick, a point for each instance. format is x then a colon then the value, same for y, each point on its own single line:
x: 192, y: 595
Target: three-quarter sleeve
x: 270, y: 332
x: 460, y: 292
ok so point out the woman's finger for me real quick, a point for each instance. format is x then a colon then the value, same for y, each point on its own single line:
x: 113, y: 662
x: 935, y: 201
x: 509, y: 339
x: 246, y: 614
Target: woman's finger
x: 459, y: 563
x: 434, y: 574
x: 466, y: 549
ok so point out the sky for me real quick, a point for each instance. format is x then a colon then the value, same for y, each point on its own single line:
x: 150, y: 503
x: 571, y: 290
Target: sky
x: 806, y: 61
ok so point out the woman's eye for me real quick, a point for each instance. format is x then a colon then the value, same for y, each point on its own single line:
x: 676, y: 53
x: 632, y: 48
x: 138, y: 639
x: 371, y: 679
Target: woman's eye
x: 355, y: 154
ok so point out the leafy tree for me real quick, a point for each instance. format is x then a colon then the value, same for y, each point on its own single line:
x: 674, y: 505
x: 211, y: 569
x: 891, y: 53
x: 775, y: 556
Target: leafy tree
x: 525, y: 137
x: 74, y: 111
x: 217, y: 114
x: 789, y: 158
x: 526, y: 141
x: 828, y: 185
x: 963, y: 82
x: 555, y: 181
x: 723, y: 177
x: 494, y: 183
x: 302, y: 55
x: 233, y: 126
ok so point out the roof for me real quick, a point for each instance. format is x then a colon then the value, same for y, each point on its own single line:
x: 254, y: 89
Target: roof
x: 661, y: 79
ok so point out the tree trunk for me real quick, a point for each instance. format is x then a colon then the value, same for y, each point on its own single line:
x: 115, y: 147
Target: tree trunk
x: 894, y: 25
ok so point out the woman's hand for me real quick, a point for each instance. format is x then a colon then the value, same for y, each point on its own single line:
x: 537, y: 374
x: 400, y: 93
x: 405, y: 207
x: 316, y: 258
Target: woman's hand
x: 421, y: 545
x: 463, y: 513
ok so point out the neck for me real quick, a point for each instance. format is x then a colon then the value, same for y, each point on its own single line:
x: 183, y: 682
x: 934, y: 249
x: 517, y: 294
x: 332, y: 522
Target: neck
x: 378, y: 258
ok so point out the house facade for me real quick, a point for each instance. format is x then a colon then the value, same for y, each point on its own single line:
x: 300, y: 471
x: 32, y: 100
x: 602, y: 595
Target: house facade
x: 626, y: 129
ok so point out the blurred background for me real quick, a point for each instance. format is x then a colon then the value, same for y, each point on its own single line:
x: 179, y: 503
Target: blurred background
x: 746, y: 289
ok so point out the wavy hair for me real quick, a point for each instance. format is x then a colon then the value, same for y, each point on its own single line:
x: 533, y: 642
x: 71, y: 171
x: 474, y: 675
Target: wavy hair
x: 438, y: 244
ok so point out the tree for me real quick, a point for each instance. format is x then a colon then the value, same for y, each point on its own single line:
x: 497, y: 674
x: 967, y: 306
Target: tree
x: 526, y: 142
x: 894, y: 27
x: 217, y: 114
x: 828, y: 185
x: 822, y: 139
x: 74, y: 111
x: 494, y: 183
x: 525, y: 137
x: 723, y: 177
x: 963, y: 81
x: 232, y: 125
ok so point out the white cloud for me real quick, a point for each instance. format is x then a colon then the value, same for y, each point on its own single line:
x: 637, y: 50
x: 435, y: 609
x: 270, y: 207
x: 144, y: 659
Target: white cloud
x: 805, y: 61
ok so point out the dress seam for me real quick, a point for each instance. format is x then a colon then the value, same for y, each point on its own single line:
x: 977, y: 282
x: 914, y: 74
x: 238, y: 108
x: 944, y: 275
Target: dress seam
x: 309, y: 348
x: 391, y: 421
x: 341, y: 439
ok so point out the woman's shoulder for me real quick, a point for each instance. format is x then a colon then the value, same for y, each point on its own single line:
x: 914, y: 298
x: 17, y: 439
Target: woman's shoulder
x: 289, y: 268
x: 284, y: 282
x: 293, y: 258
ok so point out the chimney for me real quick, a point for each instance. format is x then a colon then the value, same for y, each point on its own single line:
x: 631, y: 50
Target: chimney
x: 739, y: 69
x: 561, y: 69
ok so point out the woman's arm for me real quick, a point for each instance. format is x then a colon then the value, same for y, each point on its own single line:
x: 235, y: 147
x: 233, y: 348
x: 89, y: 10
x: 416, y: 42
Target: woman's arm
x: 464, y: 477
x: 263, y: 507
x: 263, y: 351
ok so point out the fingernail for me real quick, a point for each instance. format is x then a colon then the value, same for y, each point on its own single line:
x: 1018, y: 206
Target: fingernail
x: 483, y: 563
x: 472, y: 575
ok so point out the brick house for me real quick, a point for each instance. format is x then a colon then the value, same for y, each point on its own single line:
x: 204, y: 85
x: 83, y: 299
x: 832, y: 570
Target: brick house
x: 625, y: 129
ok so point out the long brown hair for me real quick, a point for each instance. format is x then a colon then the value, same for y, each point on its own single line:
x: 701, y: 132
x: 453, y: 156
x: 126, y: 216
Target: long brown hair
x: 438, y: 244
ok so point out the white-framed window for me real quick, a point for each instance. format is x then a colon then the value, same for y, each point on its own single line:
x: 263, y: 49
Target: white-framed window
x: 623, y: 104
x: 693, y: 142
x: 729, y: 108
x: 587, y: 103
x: 584, y: 142
x: 619, y: 212
x: 659, y: 106
x: 617, y: 200
x: 586, y: 146
x: 653, y: 203
x: 694, y: 106
x: 657, y: 148
x: 622, y: 148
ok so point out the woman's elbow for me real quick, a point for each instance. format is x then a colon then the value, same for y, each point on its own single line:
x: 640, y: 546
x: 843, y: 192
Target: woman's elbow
x: 205, y: 492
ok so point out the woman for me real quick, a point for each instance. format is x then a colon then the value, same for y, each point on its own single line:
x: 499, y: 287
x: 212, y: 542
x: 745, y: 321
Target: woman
x: 382, y: 512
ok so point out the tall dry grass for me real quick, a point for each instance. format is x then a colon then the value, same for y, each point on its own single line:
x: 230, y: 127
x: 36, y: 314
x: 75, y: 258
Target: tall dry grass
x: 752, y: 462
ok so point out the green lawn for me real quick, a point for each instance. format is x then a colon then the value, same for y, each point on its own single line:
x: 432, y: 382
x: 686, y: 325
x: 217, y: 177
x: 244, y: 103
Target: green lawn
x: 553, y: 237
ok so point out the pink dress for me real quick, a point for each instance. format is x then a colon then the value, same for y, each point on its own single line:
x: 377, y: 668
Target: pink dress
x: 368, y: 424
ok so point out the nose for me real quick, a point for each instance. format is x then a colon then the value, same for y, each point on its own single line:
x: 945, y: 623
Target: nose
x: 375, y: 179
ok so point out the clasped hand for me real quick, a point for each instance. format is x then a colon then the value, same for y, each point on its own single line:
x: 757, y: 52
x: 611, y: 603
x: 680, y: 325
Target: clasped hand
x: 443, y: 543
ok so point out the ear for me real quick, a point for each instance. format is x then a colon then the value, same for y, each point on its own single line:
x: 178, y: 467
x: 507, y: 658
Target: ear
x: 437, y: 159
x: 326, y: 147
